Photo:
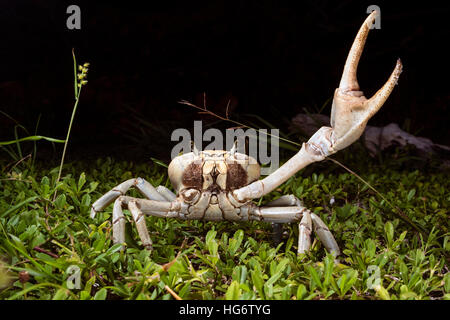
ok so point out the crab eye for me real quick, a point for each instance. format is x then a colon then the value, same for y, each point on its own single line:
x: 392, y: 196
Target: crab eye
x: 190, y: 195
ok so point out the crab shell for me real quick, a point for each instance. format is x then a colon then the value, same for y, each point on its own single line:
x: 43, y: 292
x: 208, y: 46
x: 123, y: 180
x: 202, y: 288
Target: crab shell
x: 213, y: 170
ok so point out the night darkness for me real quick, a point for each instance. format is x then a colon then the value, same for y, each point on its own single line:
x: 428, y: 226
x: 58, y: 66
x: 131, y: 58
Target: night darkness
x: 270, y: 58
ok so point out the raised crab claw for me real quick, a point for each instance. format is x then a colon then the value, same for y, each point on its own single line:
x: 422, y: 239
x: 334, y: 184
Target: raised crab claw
x: 220, y: 185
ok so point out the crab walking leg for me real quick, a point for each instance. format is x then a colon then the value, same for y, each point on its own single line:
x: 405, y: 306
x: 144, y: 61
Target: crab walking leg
x: 304, y: 233
x: 110, y: 196
x: 286, y: 200
x: 118, y: 222
x: 148, y: 190
x: 141, y: 226
x: 135, y: 205
x: 305, y: 226
x: 275, y: 214
x: 325, y: 235
x: 141, y: 184
x: 166, y: 193
x: 160, y: 209
x: 294, y: 214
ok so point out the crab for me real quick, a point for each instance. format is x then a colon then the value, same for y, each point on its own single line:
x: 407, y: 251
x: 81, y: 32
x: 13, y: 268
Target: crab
x: 214, y: 185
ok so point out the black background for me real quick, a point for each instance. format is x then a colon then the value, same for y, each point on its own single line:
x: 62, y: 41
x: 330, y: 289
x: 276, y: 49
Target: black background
x: 270, y: 58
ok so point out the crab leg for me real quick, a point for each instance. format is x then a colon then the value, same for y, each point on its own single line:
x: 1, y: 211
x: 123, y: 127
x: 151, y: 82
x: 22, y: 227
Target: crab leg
x: 139, y: 208
x: 141, y: 226
x: 305, y: 225
x: 325, y: 235
x: 276, y: 214
x: 304, y: 233
x: 160, y: 209
x: 141, y: 184
x: 166, y: 193
x: 118, y: 223
x: 110, y: 196
x: 262, y: 187
x: 148, y: 190
x: 294, y: 214
x: 286, y: 200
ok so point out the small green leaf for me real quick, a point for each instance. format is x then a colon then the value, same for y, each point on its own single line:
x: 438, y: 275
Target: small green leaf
x: 88, y: 285
x: 258, y: 281
x: 86, y: 200
x: 447, y: 282
x: 389, y: 231
x: 60, y: 201
x: 85, y: 295
x: 286, y: 293
x: 81, y: 181
x: 184, y: 291
x: 352, y: 277
x: 382, y: 292
x: 315, y: 276
x: 405, y: 294
x: 233, y: 291
x: 61, y: 294
x: 299, y: 191
x: 411, y: 194
x: 329, y: 266
x: 301, y: 291
x: 101, y: 294
x: 268, y: 290
x: 235, y: 242
x: 400, y: 239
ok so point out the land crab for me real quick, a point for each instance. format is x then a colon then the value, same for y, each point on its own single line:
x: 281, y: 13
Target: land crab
x: 218, y: 185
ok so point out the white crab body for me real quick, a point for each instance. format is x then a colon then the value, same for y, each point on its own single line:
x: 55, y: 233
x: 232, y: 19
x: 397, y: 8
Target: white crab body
x: 206, y: 181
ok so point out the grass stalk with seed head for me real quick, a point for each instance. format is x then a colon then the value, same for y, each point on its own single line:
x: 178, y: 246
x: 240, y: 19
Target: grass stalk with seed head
x: 79, y: 82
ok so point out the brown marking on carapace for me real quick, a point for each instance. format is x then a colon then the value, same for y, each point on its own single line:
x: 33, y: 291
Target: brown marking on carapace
x: 236, y: 176
x: 193, y: 175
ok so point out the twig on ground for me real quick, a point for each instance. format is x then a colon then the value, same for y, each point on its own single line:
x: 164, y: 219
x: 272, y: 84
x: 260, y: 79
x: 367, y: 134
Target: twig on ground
x: 51, y: 254
x: 177, y: 297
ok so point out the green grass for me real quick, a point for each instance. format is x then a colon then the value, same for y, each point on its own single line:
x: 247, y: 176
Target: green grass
x: 383, y: 256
